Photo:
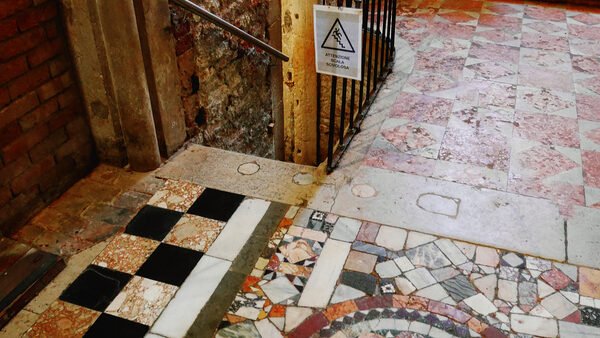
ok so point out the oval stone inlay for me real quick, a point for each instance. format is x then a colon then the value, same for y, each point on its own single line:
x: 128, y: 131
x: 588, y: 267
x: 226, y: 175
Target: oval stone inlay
x: 363, y: 191
x: 303, y: 179
x: 249, y: 168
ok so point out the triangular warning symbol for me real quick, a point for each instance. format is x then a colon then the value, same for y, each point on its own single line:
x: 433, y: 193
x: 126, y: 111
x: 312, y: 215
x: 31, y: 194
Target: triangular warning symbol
x: 337, y: 39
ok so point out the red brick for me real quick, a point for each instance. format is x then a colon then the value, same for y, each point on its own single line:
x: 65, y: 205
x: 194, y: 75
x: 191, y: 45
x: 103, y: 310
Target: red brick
x: 44, y: 52
x: 50, y: 89
x: 51, y: 28
x: 24, y: 143
x: 14, y: 169
x: 5, y: 195
x: 77, y: 145
x: 36, y: 16
x: 12, y: 69
x: 63, y: 117
x: 10, y: 7
x: 39, y: 115
x: 4, y: 98
x: 59, y: 65
x: 47, y: 146
x: 32, y: 175
x: 8, y: 28
x: 28, y: 82
x: 18, y: 108
x: 79, y: 126
x: 21, y: 43
x: 69, y: 97
x: 9, y: 133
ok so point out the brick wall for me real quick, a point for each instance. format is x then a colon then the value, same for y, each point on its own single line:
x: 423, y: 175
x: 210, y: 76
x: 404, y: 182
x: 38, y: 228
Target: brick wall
x: 45, y: 141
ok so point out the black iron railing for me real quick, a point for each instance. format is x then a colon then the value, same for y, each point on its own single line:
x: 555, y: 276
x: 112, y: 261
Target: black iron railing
x: 378, y: 51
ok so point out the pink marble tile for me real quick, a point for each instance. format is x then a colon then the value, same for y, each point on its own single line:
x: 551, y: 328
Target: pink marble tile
x: 591, y: 168
x: 395, y: 161
x: 470, y: 174
x: 547, y: 129
x: 546, y: 101
x: 436, y: 61
x: 494, y: 52
x: 454, y: 31
x: 414, y: 138
x: 587, y: 18
x: 546, y: 59
x: 588, y: 107
x: 586, y: 64
x: 545, y: 41
x: 500, y: 72
x: 498, y: 21
x: 458, y: 17
x: 585, y: 32
x: 545, y: 13
x: 565, y: 195
x: 540, y: 162
x: 556, y: 279
x: 368, y: 232
x: 422, y: 108
x: 488, y: 93
x: 498, y: 36
x: 431, y: 83
x: 585, y: 47
x: 546, y: 27
x: 545, y: 78
x: 591, y: 84
x: 503, y: 9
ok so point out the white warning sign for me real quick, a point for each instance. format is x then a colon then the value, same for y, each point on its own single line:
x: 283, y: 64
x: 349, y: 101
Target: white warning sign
x: 338, y: 41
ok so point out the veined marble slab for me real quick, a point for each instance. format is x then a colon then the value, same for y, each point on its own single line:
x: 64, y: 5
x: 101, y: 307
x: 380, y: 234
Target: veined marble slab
x: 321, y: 283
x: 238, y: 230
x: 193, y: 294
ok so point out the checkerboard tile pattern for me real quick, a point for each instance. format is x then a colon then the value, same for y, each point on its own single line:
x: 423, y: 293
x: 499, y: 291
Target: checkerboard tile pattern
x: 127, y: 286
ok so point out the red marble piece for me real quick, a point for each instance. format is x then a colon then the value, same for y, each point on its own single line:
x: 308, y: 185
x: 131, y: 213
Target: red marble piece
x: 498, y: 21
x: 453, y: 31
x: 448, y: 311
x: 414, y: 39
x: 502, y: 9
x: 366, y: 303
x: 545, y: 100
x: 591, y: 168
x: 274, y: 263
x: 545, y: 78
x: 545, y: 161
x: 464, y: 5
x: 574, y: 317
x: 547, y: 129
x: 545, y: 41
x: 368, y: 232
x: 457, y: 17
x: 476, y: 146
x: 437, y: 62
x: 545, y: 13
x: 490, y: 70
x: 488, y: 93
x: 556, y: 279
x: 586, y: 64
x: 592, y: 84
x: 422, y: 108
x: 565, y: 195
x: 494, y: 52
x: 588, y: 107
x: 587, y: 18
x: 431, y: 83
x: 594, y: 135
x: 401, y: 162
x: 585, y: 32
x: 498, y: 36
x: 546, y: 27
x: 310, y: 326
x: 412, y: 24
x: 492, y: 332
x: 409, y: 137
x: 338, y: 310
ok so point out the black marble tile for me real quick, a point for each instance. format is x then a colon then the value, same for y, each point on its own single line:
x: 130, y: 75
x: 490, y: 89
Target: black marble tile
x: 590, y: 316
x: 360, y: 281
x: 153, y: 222
x: 96, y: 287
x: 216, y: 204
x: 170, y: 264
x: 110, y: 326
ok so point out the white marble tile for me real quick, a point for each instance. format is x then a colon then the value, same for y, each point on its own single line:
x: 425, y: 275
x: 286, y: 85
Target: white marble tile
x: 404, y: 285
x: 387, y: 269
x: 267, y: 329
x: 238, y: 230
x: 537, y: 326
x: 573, y: 330
x: 487, y: 285
x: 416, y: 239
x: 451, y: 251
x: 420, y: 278
x: 321, y: 283
x: 279, y: 290
x: 344, y: 292
x: 481, y: 304
x: 294, y: 316
x: 346, y: 229
x: 558, y: 305
x: 435, y: 292
x: 391, y: 238
x: 404, y: 263
x: 507, y: 290
x: 193, y: 294
x: 583, y: 231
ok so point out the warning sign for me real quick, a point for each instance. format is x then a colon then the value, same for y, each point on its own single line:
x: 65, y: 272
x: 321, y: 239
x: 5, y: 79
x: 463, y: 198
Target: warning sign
x: 338, y: 41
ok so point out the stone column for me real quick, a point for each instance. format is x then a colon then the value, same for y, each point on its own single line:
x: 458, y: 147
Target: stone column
x: 300, y: 82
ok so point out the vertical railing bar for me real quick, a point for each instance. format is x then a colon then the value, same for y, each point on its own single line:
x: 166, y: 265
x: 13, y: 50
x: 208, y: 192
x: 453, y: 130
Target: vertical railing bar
x: 318, y: 119
x: 375, y: 78
x: 365, y: 6
x: 391, y: 23
x: 371, y: 49
x: 332, y: 104
x: 343, y: 112
x: 384, y: 37
x: 394, y: 17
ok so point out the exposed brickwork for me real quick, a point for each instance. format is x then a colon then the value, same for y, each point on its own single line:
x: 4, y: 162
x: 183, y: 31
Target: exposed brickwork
x: 226, y: 84
x: 45, y: 142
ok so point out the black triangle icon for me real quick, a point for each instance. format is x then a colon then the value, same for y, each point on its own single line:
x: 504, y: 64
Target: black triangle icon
x: 337, y: 39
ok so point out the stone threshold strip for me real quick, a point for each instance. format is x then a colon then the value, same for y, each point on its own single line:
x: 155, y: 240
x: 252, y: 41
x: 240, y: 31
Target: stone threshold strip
x: 156, y: 278
x: 327, y: 276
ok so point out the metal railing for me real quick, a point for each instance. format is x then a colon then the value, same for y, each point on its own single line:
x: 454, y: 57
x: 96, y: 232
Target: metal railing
x: 208, y: 16
x: 378, y: 52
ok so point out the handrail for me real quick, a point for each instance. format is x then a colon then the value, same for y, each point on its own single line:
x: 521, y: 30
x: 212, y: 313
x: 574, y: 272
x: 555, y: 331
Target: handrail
x: 203, y: 13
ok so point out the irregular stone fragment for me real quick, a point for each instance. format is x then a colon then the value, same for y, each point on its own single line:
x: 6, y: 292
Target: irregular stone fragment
x: 481, y: 304
x: 487, y: 286
x: 487, y: 256
x: 404, y: 285
x: 459, y: 288
x: 420, y: 278
x: 428, y: 255
x: 387, y: 269
x: 558, y: 305
x: 360, y: 281
x: 527, y: 293
x: 537, y: 326
x: 391, y: 238
x: 507, y: 290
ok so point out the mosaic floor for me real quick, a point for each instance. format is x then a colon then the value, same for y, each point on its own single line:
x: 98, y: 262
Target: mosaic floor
x: 502, y: 96
x: 329, y: 276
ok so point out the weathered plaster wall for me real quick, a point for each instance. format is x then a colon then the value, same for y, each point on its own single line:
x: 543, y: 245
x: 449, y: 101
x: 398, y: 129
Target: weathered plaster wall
x: 226, y: 84
x: 45, y: 141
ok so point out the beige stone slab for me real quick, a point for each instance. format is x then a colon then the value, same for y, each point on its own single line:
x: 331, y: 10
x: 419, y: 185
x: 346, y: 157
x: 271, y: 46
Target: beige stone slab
x: 583, y: 233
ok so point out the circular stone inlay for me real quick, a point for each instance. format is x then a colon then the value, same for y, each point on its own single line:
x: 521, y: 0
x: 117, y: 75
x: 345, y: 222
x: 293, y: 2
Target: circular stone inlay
x: 303, y: 179
x: 363, y: 191
x: 249, y: 168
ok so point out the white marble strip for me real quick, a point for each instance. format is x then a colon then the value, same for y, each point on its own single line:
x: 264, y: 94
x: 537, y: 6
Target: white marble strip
x: 321, y: 283
x: 191, y: 297
x: 238, y: 230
